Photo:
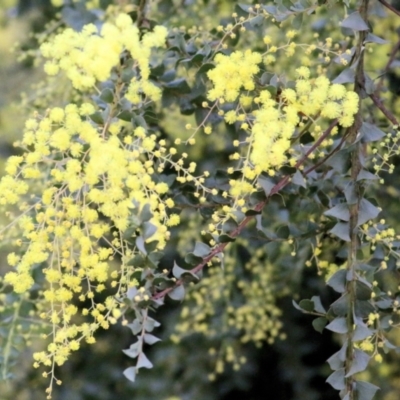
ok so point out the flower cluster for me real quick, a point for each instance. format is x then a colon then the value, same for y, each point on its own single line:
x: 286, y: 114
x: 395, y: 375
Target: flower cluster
x: 90, y: 55
x: 81, y: 182
x: 270, y: 120
x: 232, y: 73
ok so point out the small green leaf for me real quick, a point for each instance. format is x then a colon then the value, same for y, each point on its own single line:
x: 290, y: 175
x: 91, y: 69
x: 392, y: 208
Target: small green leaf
x: 297, y: 21
x: 319, y: 324
x: 204, y: 69
x: 270, y: 9
x: 138, y: 120
x: 363, y: 308
x: 97, y: 118
x: 337, y: 380
x: 130, y: 373
x: 107, y: 95
x: 365, y: 390
x: 359, y: 363
x: 243, y: 7
x: 366, y: 212
x: 266, y: 184
x: 355, y: 22
x: 130, y: 232
x: 140, y: 245
x: 177, y: 271
x: 366, y: 175
x: 340, y: 161
x: 371, y: 38
x: 179, y: 85
x: 136, y: 326
x: 149, y: 230
x: 201, y: 250
x: 225, y: 238
x: 150, y: 324
x: 340, y: 306
x: 340, y: 211
x: 125, y: 115
x: 133, y: 350
x: 143, y: 362
x: 338, y: 281
x: 318, y: 307
x: 346, y: 76
x: 298, y: 179
x: 341, y: 230
x: 178, y: 293
x: 338, y: 325
x: 350, y: 193
x: 363, y: 292
x: 306, y: 305
x: 257, y: 21
x: 361, y: 332
x: 335, y: 361
x: 370, y: 133
x: 151, y: 339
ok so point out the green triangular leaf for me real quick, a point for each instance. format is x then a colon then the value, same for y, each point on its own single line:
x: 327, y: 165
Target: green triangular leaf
x: 361, y: 332
x: 341, y: 230
x: 298, y: 179
x: 140, y: 245
x: 371, y: 133
x: 151, y: 339
x: 148, y: 230
x: 360, y: 362
x: 338, y: 325
x: 336, y: 380
x: 201, y: 250
x: 266, y: 184
x: 365, y: 390
x: 143, y: 362
x: 178, y: 293
x: 340, y: 211
x: 346, y: 76
x: 355, y: 22
x: 133, y: 350
x: 366, y: 175
x: 130, y: 373
x: 318, y: 307
x: 338, y: 281
x: 335, y: 361
x: 366, y: 212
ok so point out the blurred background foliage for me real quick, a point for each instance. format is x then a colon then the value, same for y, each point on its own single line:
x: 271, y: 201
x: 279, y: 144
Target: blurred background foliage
x: 291, y: 369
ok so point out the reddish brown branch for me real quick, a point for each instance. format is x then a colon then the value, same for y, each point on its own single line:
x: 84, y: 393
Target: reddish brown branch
x: 392, y: 56
x: 379, y: 103
x: 278, y: 187
x: 390, y: 7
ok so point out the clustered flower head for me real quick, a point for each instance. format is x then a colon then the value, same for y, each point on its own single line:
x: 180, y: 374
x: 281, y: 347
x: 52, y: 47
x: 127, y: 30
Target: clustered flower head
x: 232, y: 73
x: 270, y: 121
x: 275, y: 122
x: 79, y: 182
x: 89, y: 56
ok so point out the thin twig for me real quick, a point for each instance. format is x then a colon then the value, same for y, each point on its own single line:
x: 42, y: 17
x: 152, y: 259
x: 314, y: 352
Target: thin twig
x: 379, y: 103
x: 390, y: 7
x: 278, y: 187
x: 392, y: 56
